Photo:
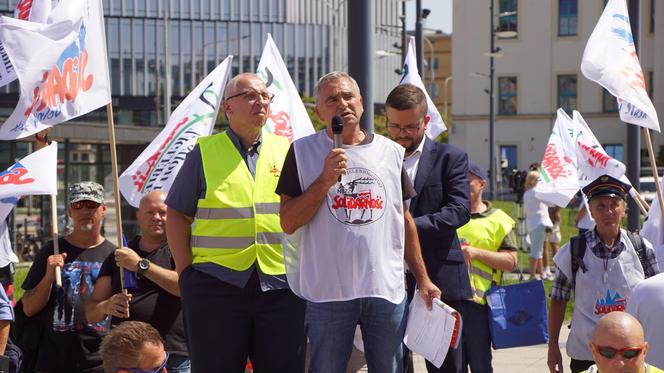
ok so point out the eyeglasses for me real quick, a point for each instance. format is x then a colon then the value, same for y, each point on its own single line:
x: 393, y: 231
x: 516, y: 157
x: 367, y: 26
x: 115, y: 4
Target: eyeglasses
x: 408, y: 129
x: 253, y: 96
x: 87, y: 204
x: 627, y: 353
x: 156, y: 370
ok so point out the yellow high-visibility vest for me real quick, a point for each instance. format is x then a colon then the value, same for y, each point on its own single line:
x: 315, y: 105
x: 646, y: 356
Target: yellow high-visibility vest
x: 487, y: 233
x: 237, y: 221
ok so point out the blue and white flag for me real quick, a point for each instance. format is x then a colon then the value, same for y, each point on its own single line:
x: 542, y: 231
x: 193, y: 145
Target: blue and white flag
x: 610, y: 60
x: 34, y: 174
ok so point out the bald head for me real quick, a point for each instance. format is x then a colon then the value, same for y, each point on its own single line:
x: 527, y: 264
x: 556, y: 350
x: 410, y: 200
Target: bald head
x: 233, y: 86
x: 151, y: 216
x: 617, y: 326
x: 618, y: 345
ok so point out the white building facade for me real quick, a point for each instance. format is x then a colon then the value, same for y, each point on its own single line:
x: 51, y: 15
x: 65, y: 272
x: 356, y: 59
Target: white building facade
x: 539, y: 72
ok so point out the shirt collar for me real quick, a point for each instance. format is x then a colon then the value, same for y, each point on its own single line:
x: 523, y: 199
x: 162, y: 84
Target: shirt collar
x: 418, y: 150
x: 485, y: 213
x: 238, y: 143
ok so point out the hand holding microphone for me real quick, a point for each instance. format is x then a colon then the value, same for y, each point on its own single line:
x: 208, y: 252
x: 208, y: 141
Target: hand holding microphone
x: 337, y: 130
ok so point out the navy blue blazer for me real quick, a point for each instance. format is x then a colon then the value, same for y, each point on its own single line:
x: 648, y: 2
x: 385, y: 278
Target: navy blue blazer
x: 441, y: 206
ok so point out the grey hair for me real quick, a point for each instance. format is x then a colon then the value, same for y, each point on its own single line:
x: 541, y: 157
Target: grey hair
x: 334, y: 76
x: 232, y: 84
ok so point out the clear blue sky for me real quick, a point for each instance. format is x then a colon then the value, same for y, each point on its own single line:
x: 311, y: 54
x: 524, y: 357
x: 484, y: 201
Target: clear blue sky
x: 439, y: 19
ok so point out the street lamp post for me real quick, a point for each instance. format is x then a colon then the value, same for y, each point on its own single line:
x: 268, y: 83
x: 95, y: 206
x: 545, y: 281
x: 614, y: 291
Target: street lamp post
x: 492, y: 118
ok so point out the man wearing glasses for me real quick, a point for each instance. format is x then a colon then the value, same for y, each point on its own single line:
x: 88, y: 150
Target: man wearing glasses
x: 439, y: 173
x: 235, y: 297
x: 602, y: 266
x: 618, y: 345
x: 134, y: 347
x: 70, y: 343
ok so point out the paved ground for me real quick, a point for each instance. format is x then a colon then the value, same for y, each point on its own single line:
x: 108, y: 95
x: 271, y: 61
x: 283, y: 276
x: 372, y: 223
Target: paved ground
x: 512, y: 360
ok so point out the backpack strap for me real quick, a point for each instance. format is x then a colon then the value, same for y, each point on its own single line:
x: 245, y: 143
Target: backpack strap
x: 639, y: 246
x: 578, y: 247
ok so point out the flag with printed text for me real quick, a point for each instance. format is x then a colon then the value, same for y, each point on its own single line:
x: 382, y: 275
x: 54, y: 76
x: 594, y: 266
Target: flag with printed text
x: 61, y: 67
x: 288, y: 117
x: 159, y: 164
x: 610, y: 59
x: 33, y: 174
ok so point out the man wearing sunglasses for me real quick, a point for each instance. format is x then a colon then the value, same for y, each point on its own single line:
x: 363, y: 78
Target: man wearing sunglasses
x: 134, y: 347
x: 618, y: 346
x: 235, y: 298
x: 602, y: 267
x: 70, y: 343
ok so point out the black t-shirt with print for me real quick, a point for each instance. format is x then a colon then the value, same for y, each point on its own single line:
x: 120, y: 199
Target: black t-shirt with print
x: 69, y: 343
x: 149, y: 302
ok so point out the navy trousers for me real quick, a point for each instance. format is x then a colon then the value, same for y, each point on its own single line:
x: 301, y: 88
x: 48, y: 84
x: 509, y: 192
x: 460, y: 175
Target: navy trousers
x: 226, y: 324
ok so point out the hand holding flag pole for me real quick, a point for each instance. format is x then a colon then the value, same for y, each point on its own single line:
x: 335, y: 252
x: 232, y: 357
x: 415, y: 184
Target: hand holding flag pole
x: 56, y: 246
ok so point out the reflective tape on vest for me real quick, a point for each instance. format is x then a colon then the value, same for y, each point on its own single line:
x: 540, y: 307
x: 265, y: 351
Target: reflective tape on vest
x: 267, y: 208
x: 476, y: 271
x: 208, y: 242
x: 224, y: 213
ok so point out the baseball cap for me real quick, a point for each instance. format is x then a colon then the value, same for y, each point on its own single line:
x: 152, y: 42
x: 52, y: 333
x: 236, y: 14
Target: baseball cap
x: 476, y: 170
x: 86, y: 191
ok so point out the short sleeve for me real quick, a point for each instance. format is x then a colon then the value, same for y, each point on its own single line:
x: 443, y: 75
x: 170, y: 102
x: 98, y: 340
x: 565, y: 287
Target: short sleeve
x: 289, y: 181
x: 108, y: 266
x: 38, y: 268
x: 189, y: 185
x: 6, y: 310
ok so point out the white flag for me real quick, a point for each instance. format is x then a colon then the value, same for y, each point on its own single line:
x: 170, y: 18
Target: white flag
x: 7, y: 204
x: 61, y: 66
x: 160, y: 162
x: 288, y: 117
x: 559, y: 180
x: 610, y: 59
x: 34, y: 174
x: 592, y: 159
x: 411, y: 75
x: 652, y: 228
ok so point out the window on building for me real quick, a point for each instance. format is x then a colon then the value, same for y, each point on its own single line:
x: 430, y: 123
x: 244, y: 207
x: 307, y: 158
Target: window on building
x: 507, y: 94
x: 567, y: 17
x: 609, y: 102
x: 508, y: 162
x: 615, y: 151
x: 567, y: 92
x: 508, y: 16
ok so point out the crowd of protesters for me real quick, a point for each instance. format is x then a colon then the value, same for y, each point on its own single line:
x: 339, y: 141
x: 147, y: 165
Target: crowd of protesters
x: 274, y: 252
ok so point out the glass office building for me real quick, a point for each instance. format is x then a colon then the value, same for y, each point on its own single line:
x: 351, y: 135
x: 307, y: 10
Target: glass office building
x: 311, y: 35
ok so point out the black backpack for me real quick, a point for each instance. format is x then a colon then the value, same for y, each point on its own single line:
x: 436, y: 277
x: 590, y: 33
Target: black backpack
x: 578, y: 247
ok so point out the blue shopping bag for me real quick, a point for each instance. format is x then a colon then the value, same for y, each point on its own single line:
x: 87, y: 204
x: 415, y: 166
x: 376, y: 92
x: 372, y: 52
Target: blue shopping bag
x: 517, y: 315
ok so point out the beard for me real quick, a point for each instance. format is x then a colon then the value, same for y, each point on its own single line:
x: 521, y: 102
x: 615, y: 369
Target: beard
x: 86, y: 227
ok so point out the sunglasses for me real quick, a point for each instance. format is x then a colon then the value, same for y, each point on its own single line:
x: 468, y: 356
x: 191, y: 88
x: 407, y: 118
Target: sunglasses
x: 627, y: 353
x: 87, y: 204
x: 155, y: 370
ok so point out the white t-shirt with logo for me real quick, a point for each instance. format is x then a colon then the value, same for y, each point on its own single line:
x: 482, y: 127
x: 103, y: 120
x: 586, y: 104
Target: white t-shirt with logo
x: 647, y: 305
x: 353, y: 247
x: 596, y: 294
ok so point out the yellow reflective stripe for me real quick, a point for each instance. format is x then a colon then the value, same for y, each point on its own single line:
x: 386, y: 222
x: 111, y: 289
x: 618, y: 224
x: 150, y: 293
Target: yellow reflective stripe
x: 480, y: 293
x: 267, y: 208
x: 476, y: 271
x: 207, y: 242
x: 268, y: 238
x: 224, y: 213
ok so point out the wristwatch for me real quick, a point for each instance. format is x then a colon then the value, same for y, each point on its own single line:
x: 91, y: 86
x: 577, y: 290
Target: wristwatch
x: 143, y: 265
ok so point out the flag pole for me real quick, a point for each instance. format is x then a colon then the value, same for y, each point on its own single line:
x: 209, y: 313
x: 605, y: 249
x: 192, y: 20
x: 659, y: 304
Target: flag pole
x: 653, y: 166
x: 638, y: 198
x: 116, y: 185
x: 56, y: 244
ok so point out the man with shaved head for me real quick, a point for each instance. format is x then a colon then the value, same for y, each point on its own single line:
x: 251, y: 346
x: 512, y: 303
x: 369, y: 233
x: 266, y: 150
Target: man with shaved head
x: 156, y: 297
x: 235, y: 297
x: 618, y: 345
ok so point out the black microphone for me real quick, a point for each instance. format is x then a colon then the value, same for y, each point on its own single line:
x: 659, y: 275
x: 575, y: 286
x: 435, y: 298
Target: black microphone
x: 337, y: 129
